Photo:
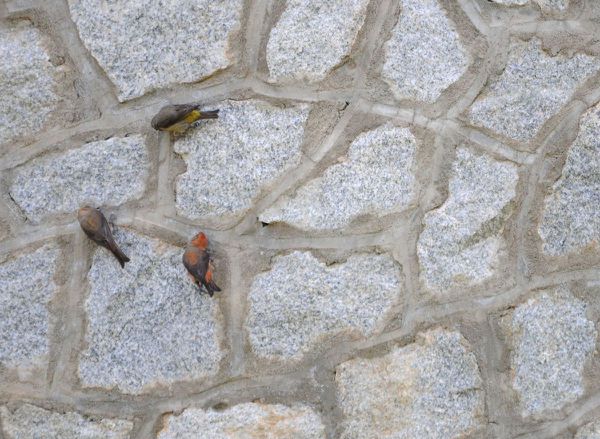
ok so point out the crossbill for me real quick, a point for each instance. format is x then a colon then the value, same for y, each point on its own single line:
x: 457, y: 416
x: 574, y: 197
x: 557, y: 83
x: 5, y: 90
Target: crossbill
x: 96, y: 227
x: 198, y: 263
x: 178, y: 118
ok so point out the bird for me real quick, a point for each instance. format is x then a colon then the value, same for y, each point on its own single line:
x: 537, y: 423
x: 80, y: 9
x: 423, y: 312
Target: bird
x: 198, y: 263
x: 96, y: 227
x: 178, y: 118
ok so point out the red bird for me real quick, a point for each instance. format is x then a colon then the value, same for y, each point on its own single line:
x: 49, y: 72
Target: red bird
x: 197, y: 261
x: 95, y: 226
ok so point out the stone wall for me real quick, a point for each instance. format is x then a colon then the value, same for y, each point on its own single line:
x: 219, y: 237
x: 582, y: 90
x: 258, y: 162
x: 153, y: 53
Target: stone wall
x: 402, y: 199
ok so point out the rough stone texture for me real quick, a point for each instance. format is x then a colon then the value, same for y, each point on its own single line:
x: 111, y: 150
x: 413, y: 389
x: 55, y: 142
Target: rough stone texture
x: 229, y: 161
x: 301, y: 46
x: 571, y: 218
x: 552, y: 339
x: 151, y: 327
x: 26, y: 287
x: 591, y: 430
x: 107, y: 172
x: 143, y: 47
x: 424, y: 55
x: 430, y: 389
x: 532, y: 88
x: 28, y: 82
x: 461, y: 242
x: 376, y: 179
x: 301, y: 302
x: 246, y: 421
x: 31, y: 422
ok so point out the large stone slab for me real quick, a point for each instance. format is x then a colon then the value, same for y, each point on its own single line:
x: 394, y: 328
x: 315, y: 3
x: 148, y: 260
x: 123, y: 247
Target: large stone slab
x: 246, y: 421
x: 429, y: 389
x: 26, y: 288
x: 424, y: 56
x: 301, y: 46
x: 29, y: 83
x: 591, y: 430
x: 143, y: 46
x: 532, y: 88
x: 376, y: 179
x: 104, y: 173
x: 230, y: 160
x: 461, y: 243
x: 552, y: 339
x: 301, y: 302
x: 31, y: 422
x: 147, y: 324
x: 571, y: 220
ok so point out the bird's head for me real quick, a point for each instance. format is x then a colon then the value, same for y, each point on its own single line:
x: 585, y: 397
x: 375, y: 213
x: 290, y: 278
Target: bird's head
x: 200, y: 241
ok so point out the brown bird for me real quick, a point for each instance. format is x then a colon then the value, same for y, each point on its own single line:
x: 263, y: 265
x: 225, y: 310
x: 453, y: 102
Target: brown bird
x: 197, y: 261
x: 96, y: 227
x: 178, y: 118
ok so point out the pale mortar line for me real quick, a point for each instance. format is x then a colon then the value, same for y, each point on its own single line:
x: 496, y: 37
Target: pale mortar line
x: 307, y: 94
x: 579, y: 27
x: 146, y: 428
x: 473, y: 12
x: 254, y: 32
x: 236, y: 302
x: 165, y: 202
x: 30, y: 235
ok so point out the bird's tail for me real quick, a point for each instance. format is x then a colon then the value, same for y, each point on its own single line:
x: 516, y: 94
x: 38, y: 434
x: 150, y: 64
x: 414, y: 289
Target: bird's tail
x: 211, y: 287
x: 121, y: 257
x: 212, y: 114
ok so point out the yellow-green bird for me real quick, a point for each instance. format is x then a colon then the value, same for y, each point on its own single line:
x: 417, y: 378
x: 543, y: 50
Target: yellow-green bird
x: 178, y: 118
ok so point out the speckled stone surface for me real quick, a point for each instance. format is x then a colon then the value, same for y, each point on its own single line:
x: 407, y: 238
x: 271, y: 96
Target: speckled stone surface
x: 424, y: 56
x: 143, y: 46
x: 28, y: 82
x: 152, y: 326
x: 231, y: 159
x: 376, y: 178
x: 571, y: 218
x: 461, y: 242
x: 532, y: 88
x: 302, y: 47
x: 429, y: 389
x: 26, y: 287
x: 591, y: 430
x: 246, y: 421
x: 104, y: 173
x: 301, y: 301
x: 31, y: 422
x: 556, y: 5
x: 552, y: 339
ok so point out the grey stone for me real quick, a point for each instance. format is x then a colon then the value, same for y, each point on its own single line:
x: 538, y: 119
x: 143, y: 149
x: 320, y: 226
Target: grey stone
x: 143, y: 46
x: 312, y: 38
x: 246, y: 421
x: 377, y: 179
x: 570, y: 220
x: 301, y: 302
x: 26, y: 287
x: 532, y: 88
x: 108, y: 172
x: 552, y: 339
x: 424, y: 56
x: 461, y: 243
x: 230, y: 160
x: 31, y: 422
x: 591, y: 430
x: 148, y: 324
x: 429, y: 389
x: 28, y: 82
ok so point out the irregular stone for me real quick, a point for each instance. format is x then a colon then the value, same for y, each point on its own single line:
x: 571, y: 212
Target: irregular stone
x: 424, y: 56
x: 429, y: 389
x: 301, y: 46
x: 31, y: 422
x: 591, y: 430
x: 153, y: 326
x: 28, y: 82
x: 461, y: 243
x: 570, y: 220
x: 377, y: 179
x: 108, y: 172
x: 143, y: 47
x: 552, y: 339
x: 230, y: 160
x: 532, y: 88
x: 26, y: 287
x: 246, y: 421
x: 301, y: 302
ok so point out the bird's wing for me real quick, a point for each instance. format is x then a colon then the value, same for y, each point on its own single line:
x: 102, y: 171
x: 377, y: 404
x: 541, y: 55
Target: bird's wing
x: 196, y: 263
x: 172, y: 114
